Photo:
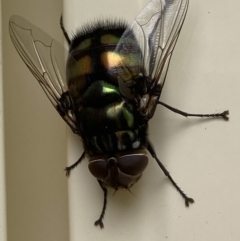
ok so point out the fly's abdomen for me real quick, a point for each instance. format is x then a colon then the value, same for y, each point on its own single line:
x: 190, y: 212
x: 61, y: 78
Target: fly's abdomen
x: 92, y: 57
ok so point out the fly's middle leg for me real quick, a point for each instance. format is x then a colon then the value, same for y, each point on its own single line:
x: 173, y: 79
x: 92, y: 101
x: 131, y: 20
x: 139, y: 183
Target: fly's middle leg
x: 224, y: 114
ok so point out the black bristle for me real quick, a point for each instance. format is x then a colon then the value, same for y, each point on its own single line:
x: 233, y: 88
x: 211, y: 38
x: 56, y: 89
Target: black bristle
x: 95, y: 26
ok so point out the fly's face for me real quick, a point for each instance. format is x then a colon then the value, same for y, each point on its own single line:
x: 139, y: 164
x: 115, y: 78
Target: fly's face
x: 120, y: 171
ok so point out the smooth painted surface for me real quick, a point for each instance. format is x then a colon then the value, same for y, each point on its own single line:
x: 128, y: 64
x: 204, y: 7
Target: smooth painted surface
x: 3, y: 226
x: 202, y: 156
x: 35, y: 138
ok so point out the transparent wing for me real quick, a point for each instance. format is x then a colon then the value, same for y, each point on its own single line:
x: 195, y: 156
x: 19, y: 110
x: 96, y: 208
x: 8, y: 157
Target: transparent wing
x: 45, y: 58
x: 156, y: 30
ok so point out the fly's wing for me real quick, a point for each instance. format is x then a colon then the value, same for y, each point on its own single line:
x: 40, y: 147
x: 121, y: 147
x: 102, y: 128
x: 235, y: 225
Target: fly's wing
x: 45, y: 58
x: 151, y: 38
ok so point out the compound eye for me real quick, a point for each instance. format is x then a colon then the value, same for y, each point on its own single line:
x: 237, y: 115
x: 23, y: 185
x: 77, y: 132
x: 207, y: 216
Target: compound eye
x: 98, y: 168
x: 133, y: 164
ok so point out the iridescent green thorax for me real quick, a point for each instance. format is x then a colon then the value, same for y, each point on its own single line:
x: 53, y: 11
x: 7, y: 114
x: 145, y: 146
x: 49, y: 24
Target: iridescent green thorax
x: 107, y: 122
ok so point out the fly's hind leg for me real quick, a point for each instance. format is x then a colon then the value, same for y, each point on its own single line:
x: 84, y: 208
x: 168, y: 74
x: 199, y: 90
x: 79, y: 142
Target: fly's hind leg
x: 70, y: 168
x: 187, y: 199
x: 64, y: 31
x: 224, y: 114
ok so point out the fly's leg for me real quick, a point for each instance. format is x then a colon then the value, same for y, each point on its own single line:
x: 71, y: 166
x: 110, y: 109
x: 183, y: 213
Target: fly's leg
x: 187, y: 199
x: 70, y: 168
x: 66, y: 110
x: 99, y: 221
x: 64, y: 31
x: 224, y: 114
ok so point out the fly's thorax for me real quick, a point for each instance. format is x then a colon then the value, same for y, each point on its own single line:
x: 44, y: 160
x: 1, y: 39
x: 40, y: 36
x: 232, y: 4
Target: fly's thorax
x: 103, y: 111
x: 107, y: 122
x: 121, y: 170
x: 114, y: 141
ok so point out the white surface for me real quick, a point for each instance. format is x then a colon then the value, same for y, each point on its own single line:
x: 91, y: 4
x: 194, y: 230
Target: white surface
x: 3, y: 226
x: 202, y: 156
x: 35, y: 138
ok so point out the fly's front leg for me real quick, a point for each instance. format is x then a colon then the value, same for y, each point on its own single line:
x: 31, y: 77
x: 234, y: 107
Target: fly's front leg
x: 224, y: 114
x: 187, y: 199
x: 70, y: 168
x: 99, y: 221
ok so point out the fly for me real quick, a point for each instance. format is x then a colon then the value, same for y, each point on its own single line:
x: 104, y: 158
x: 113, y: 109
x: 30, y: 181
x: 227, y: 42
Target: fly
x: 110, y: 87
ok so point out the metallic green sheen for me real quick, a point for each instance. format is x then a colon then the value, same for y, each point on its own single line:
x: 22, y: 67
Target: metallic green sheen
x: 107, y: 119
x: 107, y: 122
x: 103, y: 92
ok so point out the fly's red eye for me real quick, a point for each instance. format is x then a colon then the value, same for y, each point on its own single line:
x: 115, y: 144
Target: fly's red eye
x: 98, y: 168
x: 133, y: 164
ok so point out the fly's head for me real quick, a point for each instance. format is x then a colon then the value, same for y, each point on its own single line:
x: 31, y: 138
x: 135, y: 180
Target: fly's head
x: 121, y: 170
